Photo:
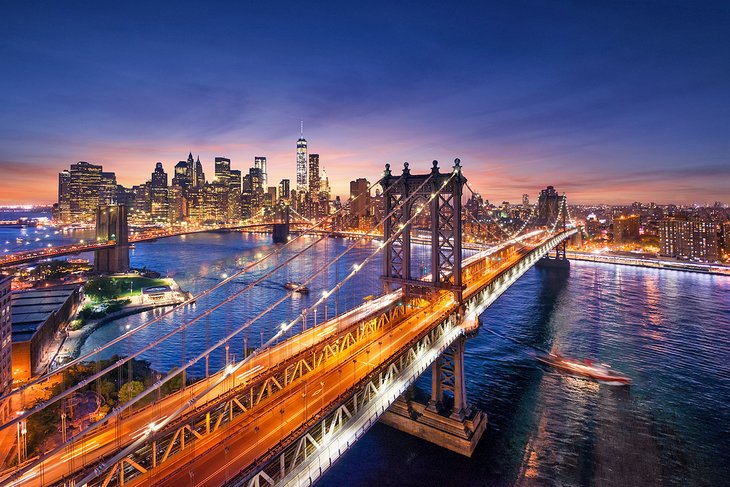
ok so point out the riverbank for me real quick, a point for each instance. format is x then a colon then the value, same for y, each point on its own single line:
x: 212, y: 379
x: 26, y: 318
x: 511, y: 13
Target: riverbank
x: 72, y: 341
x: 715, y: 269
x: 71, y: 345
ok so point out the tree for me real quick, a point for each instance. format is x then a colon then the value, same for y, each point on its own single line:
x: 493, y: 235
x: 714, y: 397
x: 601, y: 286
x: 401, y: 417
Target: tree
x: 102, y: 289
x: 130, y: 390
x: 108, y: 391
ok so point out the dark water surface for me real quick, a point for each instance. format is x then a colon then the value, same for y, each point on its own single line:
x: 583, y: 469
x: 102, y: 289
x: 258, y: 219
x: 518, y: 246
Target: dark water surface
x: 669, y: 331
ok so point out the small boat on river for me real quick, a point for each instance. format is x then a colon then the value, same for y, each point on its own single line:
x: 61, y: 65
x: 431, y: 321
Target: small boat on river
x: 585, y: 368
x: 296, y: 287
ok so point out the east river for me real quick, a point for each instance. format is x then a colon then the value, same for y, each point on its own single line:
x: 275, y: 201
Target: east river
x: 668, y: 330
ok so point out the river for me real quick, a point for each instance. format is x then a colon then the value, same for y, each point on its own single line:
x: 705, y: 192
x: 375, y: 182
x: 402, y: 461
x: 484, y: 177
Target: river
x: 668, y: 330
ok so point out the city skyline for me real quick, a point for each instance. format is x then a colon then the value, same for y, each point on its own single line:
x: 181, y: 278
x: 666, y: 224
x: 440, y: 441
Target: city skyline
x: 634, y: 111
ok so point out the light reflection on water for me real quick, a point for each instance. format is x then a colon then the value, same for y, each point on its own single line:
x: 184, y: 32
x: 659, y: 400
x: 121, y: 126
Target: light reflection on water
x: 668, y: 330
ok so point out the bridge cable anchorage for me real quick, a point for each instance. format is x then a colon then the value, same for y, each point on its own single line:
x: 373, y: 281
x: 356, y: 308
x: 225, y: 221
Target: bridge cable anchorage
x: 202, y: 294
x: 232, y: 368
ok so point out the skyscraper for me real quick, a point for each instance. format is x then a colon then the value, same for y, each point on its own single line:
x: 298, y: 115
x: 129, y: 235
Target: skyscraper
x: 222, y: 169
x: 192, y: 171
x: 159, y: 201
x: 284, y: 188
x: 548, y: 207
x: 82, y: 189
x: 159, y: 177
x: 525, y: 200
x: 260, y: 163
x: 182, y: 175
x: 314, y: 181
x: 301, y: 162
x: 64, y: 196
x: 234, y: 195
x: 199, y: 174
x: 108, y: 188
x: 359, y: 201
x: 256, y: 180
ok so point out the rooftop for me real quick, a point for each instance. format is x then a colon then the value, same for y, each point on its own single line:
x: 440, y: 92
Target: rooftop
x: 30, y: 309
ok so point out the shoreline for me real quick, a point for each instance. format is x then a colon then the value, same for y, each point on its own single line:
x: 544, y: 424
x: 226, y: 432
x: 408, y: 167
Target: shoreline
x: 74, y: 340
x: 709, y: 269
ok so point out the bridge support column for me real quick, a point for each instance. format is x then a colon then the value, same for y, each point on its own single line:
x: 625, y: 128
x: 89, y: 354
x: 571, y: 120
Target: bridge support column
x: 460, y: 409
x: 111, y: 226
x: 458, y: 429
x: 280, y: 231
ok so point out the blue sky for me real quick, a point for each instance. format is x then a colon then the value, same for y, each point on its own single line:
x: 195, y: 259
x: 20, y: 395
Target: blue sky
x: 607, y: 101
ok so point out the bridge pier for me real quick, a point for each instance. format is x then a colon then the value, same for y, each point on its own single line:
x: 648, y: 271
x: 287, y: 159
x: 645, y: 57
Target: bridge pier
x: 280, y: 231
x: 111, y: 225
x: 458, y: 429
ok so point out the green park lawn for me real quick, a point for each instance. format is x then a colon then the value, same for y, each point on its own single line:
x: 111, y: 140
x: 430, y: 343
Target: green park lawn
x: 107, y: 288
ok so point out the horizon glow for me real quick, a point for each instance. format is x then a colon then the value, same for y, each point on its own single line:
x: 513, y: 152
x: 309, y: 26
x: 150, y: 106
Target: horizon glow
x: 614, y: 103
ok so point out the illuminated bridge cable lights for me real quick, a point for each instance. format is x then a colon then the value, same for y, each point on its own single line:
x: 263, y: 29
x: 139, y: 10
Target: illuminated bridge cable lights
x: 180, y: 329
x: 121, y: 362
x: 341, y: 428
x: 225, y: 281
x: 191, y: 362
x: 499, y: 225
x: 233, y: 368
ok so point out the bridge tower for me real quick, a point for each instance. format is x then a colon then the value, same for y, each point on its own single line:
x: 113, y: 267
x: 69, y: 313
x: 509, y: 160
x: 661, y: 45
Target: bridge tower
x: 459, y: 427
x: 280, y: 231
x: 445, y: 227
x: 559, y: 260
x: 111, y: 226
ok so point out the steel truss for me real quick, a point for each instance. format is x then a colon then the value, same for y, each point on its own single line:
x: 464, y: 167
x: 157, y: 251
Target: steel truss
x: 306, y: 459
x: 443, y: 193
x: 252, y: 392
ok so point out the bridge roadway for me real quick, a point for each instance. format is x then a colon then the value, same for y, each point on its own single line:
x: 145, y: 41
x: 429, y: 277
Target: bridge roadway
x: 117, y: 433
x: 283, y: 417
x: 59, y: 251
x: 280, y: 416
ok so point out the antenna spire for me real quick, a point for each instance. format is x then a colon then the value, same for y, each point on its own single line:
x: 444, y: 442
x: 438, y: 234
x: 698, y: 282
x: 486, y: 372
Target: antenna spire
x: 301, y: 129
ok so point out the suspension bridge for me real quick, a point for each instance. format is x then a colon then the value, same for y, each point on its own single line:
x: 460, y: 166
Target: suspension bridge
x: 286, y: 411
x: 147, y: 235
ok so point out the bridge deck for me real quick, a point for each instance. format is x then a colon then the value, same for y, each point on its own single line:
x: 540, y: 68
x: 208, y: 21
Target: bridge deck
x: 284, y: 408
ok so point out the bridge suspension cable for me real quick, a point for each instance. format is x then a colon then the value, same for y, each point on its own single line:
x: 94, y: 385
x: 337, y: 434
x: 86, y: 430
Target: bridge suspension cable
x: 510, y: 235
x: 191, y: 362
x: 124, y: 360
x: 233, y: 368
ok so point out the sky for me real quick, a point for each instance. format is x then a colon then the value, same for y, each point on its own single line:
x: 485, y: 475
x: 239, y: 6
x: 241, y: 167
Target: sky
x: 614, y: 101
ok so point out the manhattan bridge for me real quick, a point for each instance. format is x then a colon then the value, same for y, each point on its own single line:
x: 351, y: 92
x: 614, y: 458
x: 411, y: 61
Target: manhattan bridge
x: 291, y: 407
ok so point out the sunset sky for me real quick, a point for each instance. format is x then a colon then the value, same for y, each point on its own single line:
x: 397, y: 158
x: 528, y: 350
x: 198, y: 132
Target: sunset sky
x: 611, y: 101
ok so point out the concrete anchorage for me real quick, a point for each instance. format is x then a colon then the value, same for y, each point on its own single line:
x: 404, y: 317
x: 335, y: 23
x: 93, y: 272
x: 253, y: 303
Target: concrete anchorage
x: 457, y: 428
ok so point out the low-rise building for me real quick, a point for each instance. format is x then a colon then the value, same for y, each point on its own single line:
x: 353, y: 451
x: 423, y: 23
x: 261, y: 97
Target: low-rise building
x: 6, y: 371
x: 37, y: 314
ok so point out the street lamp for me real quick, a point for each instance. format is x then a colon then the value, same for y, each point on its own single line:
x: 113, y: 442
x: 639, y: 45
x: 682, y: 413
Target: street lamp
x: 22, y: 445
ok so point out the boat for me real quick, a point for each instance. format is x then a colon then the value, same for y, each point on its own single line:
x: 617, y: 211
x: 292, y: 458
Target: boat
x: 296, y: 287
x: 585, y: 368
